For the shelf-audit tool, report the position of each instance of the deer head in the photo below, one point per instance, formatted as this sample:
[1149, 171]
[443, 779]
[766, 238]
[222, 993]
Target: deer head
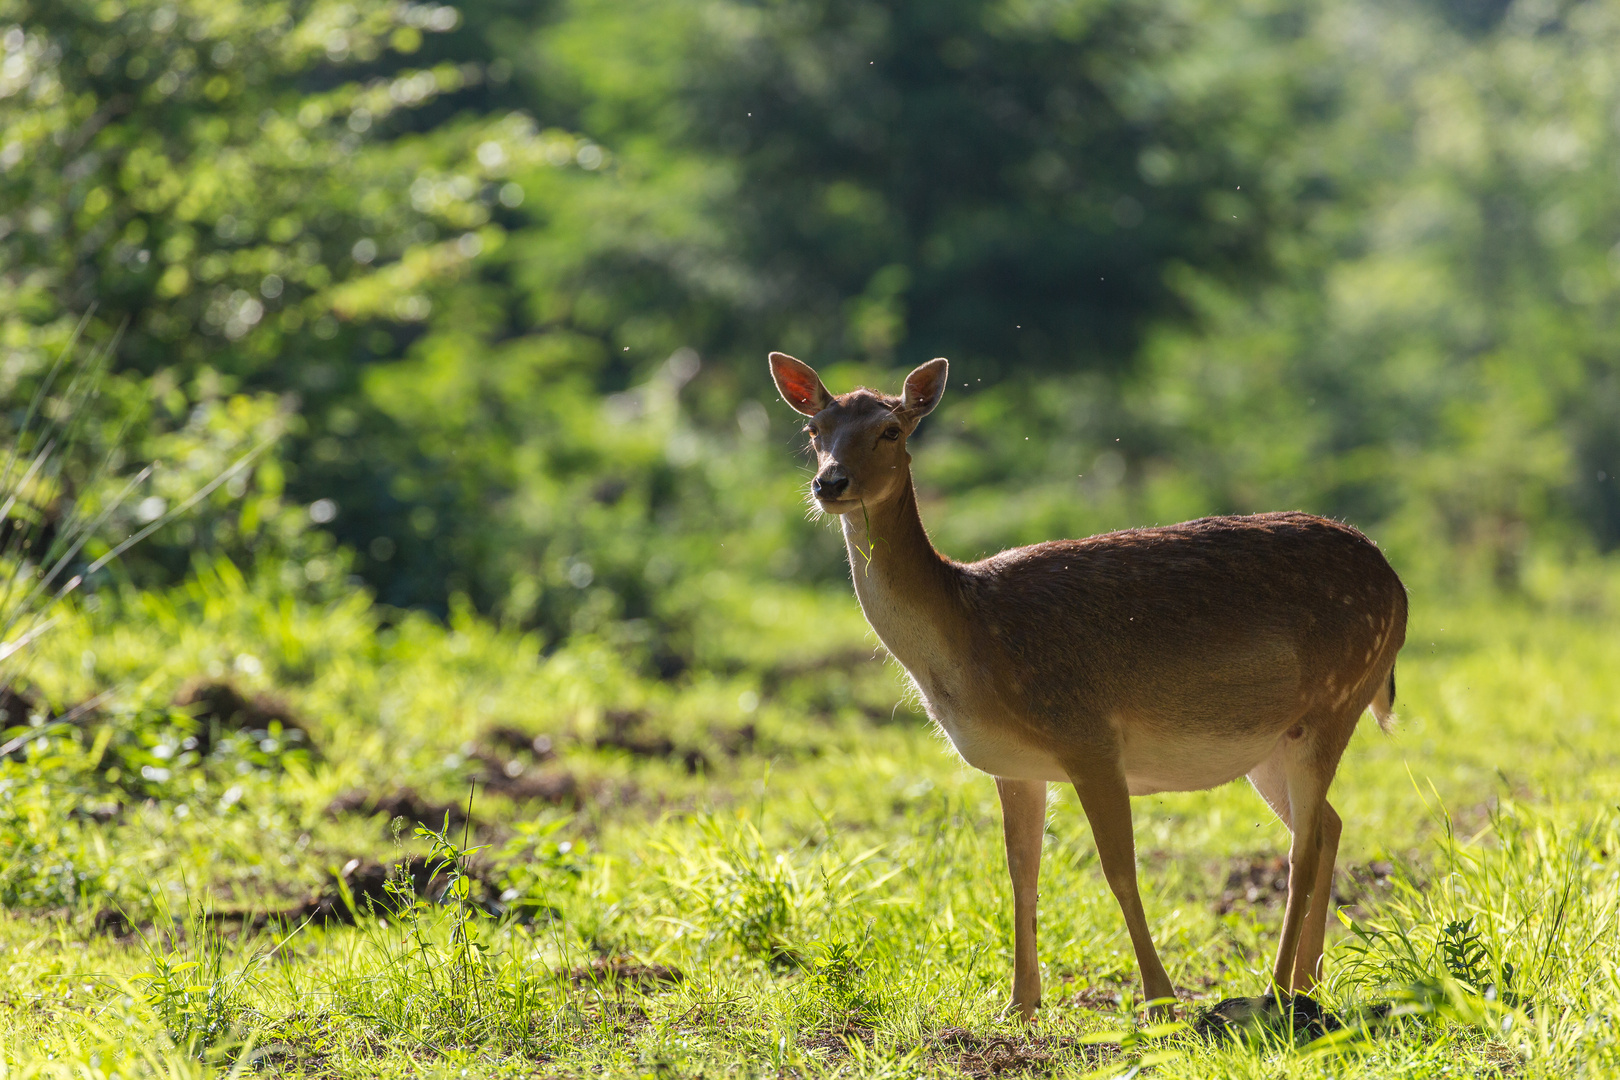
[859, 438]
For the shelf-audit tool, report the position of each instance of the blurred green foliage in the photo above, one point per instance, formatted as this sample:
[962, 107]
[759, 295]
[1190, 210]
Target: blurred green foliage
[499, 279]
[374, 318]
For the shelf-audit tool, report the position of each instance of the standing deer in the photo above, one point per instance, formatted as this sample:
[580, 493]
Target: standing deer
[1164, 659]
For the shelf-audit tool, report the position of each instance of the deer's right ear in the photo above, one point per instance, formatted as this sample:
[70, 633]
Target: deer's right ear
[799, 384]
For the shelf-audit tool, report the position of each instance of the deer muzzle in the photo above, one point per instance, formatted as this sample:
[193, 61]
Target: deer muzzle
[829, 486]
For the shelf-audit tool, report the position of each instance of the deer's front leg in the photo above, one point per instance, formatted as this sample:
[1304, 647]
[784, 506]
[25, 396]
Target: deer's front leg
[1023, 823]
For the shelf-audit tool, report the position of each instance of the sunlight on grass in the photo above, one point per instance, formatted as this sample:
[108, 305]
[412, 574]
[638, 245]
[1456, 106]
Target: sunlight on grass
[767, 882]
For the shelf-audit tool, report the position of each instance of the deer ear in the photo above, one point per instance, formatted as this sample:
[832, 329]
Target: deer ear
[799, 384]
[924, 387]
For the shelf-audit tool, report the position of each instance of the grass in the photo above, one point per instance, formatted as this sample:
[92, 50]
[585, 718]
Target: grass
[772, 871]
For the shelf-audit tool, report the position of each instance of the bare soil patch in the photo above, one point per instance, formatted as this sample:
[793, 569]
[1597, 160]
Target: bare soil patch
[626, 972]
[1257, 881]
[375, 889]
[1261, 881]
[402, 802]
[972, 1054]
[511, 740]
[19, 705]
[30, 715]
[383, 889]
[835, 1044]
[1097, 998]
[219, 707]
[627, 730]
[511, 780]
[1000, 1055]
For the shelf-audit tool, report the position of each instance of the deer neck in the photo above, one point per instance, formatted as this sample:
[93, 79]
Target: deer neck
[909, 592]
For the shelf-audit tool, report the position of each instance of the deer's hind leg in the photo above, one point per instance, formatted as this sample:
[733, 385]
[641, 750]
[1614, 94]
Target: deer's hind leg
[1294, 780]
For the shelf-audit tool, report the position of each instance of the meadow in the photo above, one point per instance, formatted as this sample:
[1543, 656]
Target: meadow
[480, 699]
[784, 872]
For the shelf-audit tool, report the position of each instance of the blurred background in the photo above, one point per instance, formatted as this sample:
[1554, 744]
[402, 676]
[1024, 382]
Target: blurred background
[493, 284]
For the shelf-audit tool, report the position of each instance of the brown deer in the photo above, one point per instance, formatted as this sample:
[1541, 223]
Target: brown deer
[1164, 659]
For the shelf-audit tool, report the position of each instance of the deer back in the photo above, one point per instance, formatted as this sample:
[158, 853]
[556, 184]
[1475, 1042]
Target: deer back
[1214, 623]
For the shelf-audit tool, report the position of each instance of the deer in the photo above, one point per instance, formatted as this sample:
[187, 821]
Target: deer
[1171, 658]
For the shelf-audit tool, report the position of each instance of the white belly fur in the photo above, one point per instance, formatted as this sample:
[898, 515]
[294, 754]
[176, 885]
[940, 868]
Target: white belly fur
[985, 747]
[998, 756]
[1152, 762]
[1190, 761]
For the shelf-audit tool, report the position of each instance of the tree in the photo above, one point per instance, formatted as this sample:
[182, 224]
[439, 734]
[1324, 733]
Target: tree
[1003, 184]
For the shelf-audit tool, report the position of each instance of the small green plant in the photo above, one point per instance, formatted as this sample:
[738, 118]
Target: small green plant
[467, 948]
[751, 894]
[838, 973]
[1460, 975]
[195, 995]
[758, 910]
[1463, 953]
[539, 866]
[1470, 962]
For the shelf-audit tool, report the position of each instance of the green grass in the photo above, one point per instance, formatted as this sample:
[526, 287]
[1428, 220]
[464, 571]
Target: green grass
[828, 884]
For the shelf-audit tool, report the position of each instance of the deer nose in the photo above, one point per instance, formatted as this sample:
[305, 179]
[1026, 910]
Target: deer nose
[829, 487]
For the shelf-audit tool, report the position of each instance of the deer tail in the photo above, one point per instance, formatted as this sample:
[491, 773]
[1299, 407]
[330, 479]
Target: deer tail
[1383, 703]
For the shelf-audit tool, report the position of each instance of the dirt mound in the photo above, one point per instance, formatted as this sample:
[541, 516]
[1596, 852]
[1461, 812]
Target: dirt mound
[1259, 881]
[113, 923]
[385, 888]
[517, 741]
[1098, 998]
[626, 732]
[625, 971]
[1362, 881]
[402, 802]
[367, 885]
[989, 1055]
[835, 1044]
[736, 741]
[374, 888]
[18, 706]
[556, 788]
[219, 707]
[1262, 881]
[511, 776]
[962, 1051]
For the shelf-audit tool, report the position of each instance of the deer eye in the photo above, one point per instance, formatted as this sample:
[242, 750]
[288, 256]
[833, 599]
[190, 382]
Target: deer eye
[810, 431]
[891, 433]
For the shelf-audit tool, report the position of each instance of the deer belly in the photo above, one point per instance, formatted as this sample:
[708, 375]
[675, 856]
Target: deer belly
[992, 749]
[1155, 762]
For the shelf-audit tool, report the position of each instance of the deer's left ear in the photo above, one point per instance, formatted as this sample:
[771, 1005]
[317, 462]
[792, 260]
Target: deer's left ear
[924, 387]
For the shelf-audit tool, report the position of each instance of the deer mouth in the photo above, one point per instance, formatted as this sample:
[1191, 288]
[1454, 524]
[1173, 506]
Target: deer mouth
[842, 505]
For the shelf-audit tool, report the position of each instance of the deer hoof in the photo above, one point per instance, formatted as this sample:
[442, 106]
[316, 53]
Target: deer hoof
[1024, 1010]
